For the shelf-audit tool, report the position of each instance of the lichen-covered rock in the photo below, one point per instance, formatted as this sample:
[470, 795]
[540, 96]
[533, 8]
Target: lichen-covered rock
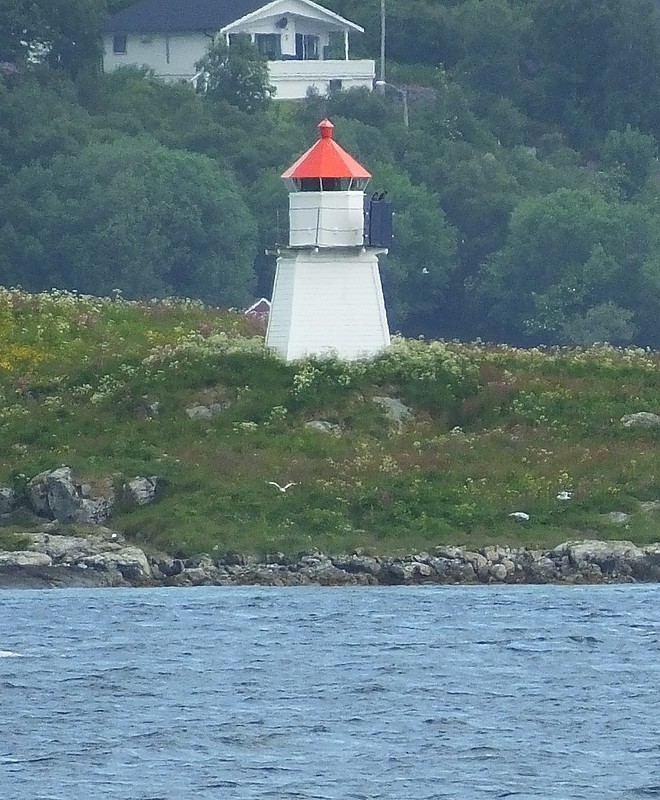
[24, 558]
[594, 560]
[323, 426]
[617, 517]
[357, 564]
[130, 562]
[498, 572]
[8, 500]
[640, 419]
[141, 491]
[54, 494]
[395, 411]
[206, 412]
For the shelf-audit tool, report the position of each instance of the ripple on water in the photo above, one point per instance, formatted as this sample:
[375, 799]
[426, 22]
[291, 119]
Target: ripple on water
[464, 693]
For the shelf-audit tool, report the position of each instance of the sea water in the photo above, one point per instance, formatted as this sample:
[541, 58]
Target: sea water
[404, 693]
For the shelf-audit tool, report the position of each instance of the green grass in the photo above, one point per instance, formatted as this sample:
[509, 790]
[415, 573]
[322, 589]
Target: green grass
[495, 430]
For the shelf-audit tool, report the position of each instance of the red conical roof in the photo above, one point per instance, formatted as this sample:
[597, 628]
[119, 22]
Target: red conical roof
[326, 159]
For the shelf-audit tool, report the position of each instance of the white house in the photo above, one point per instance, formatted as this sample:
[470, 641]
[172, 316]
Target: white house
[306, 45]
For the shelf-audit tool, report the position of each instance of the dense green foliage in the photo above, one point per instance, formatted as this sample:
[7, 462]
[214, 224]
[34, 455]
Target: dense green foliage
[239, 72]
[525, 186]
[104, 385]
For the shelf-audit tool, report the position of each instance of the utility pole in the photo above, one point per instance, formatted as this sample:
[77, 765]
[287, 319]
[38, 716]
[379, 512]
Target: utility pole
[381, 82]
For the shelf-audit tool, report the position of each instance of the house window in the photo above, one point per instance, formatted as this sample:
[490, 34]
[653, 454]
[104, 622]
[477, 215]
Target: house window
[119, 44]
[269, 45]
[334, 85]
[307, 47]
[236, 38]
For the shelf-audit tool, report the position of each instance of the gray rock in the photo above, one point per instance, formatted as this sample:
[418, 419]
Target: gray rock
[55, 495]
[141, 491]
[8, 500]
[443, 551]
[357, 564]
[130, 562]
[541, 570]
[322, 426]
[618, 558]
[206, 412]
[24, 558]
[499, 572]
[650, 506]
[477, 560]
[395, 411]
[617, 517]
[640, 419]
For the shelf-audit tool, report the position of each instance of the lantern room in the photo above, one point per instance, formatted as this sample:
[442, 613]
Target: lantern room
[326, 195]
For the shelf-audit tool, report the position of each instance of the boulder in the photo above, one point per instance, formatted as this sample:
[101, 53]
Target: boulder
[357, 564]
[130, 562]
[648, 506]
[498, 572]
[640, 419]
[8, 500]
[395, 411]
[541, 570]
[55, 495]
[206, 412]
[323, 426]
[615, 558]
[617, 517]
[141, 491]
[24, 558]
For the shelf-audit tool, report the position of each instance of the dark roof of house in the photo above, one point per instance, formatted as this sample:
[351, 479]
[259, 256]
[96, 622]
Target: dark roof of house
[154, 16]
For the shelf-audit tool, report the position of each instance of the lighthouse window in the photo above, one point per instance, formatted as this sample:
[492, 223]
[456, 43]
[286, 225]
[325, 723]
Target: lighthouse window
[330, 184]
[310, 184]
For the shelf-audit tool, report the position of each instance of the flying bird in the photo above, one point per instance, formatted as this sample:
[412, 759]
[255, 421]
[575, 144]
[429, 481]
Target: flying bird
[519, 516]
[564, 496]
[282, 488]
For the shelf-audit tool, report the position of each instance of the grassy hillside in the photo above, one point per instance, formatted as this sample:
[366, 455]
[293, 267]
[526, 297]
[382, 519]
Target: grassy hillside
[104, 385]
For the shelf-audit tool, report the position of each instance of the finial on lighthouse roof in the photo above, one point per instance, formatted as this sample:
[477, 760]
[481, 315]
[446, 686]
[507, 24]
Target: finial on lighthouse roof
[325, 128]
[326, 159]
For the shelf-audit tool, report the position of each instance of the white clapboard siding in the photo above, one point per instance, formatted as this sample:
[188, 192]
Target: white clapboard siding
[327, 304]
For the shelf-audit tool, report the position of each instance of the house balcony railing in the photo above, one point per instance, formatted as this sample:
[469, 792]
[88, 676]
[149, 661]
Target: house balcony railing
[293, 78]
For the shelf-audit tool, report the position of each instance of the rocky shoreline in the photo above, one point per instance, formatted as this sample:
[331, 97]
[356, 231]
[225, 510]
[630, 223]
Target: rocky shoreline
[65, 544]
[58, 555]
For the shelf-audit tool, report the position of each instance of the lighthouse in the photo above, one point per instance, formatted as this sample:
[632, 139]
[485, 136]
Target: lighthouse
[327, 296]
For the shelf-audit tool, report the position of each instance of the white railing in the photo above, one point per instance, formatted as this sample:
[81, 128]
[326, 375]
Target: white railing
[292, 79]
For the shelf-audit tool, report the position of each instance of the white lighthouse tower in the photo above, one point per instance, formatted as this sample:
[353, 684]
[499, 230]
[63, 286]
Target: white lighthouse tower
[327, 297]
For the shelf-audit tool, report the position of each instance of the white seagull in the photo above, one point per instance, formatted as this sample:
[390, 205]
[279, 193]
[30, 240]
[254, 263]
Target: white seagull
[282, 488]
[564, 496]
[520, 516]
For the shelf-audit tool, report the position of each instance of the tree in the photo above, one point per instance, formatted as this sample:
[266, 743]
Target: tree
[568, 256]
[39, 119]
[629, 155]
[418, 270]
[598, 64]
[492, 36]
[129, 215]
[62, 33]
[237, 73]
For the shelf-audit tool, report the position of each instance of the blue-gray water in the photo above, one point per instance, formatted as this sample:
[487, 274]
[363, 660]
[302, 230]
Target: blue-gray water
[340, 694]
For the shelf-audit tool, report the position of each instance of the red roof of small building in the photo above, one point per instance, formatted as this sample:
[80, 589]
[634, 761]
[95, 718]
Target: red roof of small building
[326, 159]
